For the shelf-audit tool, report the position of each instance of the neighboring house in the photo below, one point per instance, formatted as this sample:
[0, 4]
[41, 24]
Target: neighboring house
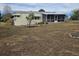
[19, 17]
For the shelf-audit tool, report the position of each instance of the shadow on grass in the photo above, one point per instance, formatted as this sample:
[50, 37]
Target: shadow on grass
[33, 26]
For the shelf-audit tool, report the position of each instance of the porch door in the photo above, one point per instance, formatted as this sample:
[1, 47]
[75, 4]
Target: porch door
[56, 18]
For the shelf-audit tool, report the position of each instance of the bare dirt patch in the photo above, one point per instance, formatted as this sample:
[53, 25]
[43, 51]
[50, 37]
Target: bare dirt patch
[50, 39]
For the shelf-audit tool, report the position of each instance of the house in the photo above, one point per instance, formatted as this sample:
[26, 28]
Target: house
[19, 17]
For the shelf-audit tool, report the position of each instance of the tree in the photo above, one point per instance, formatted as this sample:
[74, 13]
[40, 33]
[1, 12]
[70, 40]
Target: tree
[75, 15]
[7, 14]
[0, 16]
[41, 10]
[7, 9]
[30, 18]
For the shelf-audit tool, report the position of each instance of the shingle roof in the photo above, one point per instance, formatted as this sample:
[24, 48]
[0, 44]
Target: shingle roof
[54, 13]
[24, 12]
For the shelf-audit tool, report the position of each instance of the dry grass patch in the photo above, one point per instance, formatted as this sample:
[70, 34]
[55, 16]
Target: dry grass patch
[48, 39]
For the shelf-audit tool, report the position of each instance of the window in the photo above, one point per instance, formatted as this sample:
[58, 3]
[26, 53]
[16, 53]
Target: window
[16, 15]
[36, 17]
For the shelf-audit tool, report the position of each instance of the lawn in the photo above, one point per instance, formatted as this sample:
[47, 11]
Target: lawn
[47, 39]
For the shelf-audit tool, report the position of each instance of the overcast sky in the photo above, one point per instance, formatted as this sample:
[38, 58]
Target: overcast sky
[65, 7]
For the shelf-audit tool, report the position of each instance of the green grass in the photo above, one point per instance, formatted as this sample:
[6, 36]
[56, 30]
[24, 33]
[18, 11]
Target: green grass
[47, 39]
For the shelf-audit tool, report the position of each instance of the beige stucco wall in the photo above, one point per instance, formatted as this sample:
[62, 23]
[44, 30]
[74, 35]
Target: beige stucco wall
[23, 21]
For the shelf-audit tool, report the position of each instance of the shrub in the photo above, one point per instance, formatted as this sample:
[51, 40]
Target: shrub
[41, 23]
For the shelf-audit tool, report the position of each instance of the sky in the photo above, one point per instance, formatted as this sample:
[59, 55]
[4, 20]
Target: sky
[54, 7]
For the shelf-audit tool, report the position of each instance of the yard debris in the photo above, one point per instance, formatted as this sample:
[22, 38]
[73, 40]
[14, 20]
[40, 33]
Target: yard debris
[74, 35]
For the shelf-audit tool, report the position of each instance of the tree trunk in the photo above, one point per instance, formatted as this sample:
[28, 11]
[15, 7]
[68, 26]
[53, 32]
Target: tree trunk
[29, 23]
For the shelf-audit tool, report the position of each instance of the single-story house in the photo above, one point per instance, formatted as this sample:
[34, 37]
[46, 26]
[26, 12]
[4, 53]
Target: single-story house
[19, 17]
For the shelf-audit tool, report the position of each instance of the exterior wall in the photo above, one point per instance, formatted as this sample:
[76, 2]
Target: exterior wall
[35, 21]
[20, 20]
[23, 21]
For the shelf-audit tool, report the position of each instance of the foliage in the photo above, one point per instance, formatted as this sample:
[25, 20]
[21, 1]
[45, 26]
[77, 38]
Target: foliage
[7, 14]
[7, 9]
[6, 17]
[41, 23]
[30, 17]
[75, 15]
[0, 18]
[41, 10]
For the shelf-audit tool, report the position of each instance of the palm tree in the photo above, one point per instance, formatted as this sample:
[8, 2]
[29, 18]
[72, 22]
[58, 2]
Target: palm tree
[30, 17]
